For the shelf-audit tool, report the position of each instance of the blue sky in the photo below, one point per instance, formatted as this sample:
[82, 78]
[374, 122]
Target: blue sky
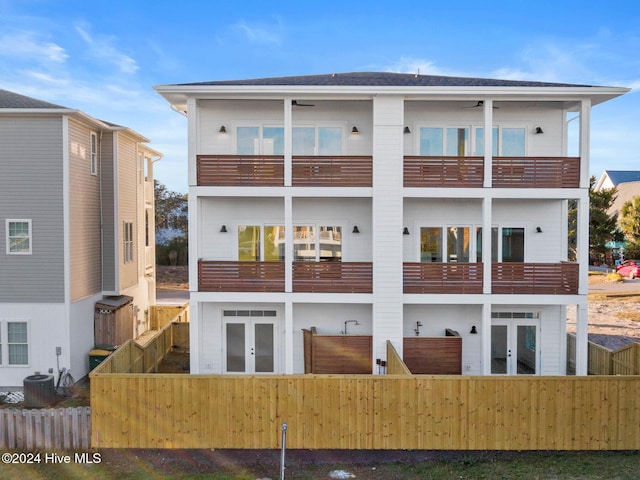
[104, 57]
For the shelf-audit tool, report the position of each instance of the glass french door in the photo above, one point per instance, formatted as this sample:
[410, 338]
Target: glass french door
[514, 348]
[250, 345]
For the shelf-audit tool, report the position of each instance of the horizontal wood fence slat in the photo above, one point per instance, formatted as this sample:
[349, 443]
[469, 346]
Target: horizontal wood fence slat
[536, 172]
[442, 277]
[332, 171]
[534, 278]
[333, 277]
[231, 276]
[45, 429]
[366, 412]
[433, 355]
[337, 353]
[240, 170]
[429, 171]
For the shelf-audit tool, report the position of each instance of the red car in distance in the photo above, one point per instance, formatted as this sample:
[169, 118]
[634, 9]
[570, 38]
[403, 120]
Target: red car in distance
[629, 268]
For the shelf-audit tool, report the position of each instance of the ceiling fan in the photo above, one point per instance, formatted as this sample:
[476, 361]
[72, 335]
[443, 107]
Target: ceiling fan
[296, 103]
[480, 104]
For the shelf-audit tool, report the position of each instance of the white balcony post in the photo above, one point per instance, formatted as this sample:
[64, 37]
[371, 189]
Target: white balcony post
[288, 141]
[488, 142]
[585, 139]
[487, 205]
[582, 339]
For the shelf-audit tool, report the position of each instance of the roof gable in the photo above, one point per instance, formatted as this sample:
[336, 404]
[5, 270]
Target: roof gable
[623, 176]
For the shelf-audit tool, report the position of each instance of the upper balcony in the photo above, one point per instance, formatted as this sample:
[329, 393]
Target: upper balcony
[507, 172]
[268, 170]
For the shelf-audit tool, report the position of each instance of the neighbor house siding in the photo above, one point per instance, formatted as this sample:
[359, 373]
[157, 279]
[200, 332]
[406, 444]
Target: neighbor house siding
[84, 214]
[109, 229]
[127, 154]
[31, 184]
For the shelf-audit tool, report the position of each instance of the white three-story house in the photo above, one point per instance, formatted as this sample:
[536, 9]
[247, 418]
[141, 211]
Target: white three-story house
[333, 215]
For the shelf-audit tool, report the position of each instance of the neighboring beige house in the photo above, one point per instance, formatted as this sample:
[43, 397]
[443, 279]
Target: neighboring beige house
[376, 207]
[77, 224]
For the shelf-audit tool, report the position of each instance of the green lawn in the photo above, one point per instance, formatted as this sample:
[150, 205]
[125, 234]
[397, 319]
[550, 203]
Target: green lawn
[191, 464]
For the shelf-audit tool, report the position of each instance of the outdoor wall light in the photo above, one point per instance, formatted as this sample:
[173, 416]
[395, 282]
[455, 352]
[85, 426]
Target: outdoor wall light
[405, 231]
[474, 330]
[356, 229]
[538, 229]
[223, 229]
[407, 130]
[223, 130]
[539, 130]
[355, 131]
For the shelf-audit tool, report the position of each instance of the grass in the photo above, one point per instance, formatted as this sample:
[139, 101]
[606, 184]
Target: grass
[185, 465]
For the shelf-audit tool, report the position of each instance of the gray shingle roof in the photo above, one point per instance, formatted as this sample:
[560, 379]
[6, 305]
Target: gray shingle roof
[15, 100]
[383, 79]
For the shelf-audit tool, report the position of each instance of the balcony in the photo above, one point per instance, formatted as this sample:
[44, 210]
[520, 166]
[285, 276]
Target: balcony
[268, 171]
[508, 172]
[536, 172]
[460, 172]
[442, 277]
[333, 277]
[534, 278]
[240, 170]
[507, 278]
[336, 171]
[230, 276]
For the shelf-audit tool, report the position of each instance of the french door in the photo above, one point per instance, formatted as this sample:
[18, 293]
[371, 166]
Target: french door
[514, 347]
[250, 343]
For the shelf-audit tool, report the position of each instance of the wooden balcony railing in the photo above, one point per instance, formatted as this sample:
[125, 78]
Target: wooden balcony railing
[333, 277]
[229, 276]
[240, 170]
[536, 172]
[463, 172]
[534, 278]
[442, 277]
[336, 171]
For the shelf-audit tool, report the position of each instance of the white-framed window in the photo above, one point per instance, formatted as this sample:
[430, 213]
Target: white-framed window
[317, 243]
[261, 243]
[307, 140]
[507, 244]
[93, 159]
[457, 141]
[14, 343]
[127, 237]
[19, 236]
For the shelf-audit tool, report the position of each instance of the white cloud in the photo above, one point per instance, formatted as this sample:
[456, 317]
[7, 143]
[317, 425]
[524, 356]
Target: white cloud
[101, 47]
[27, 45]
[262, 34]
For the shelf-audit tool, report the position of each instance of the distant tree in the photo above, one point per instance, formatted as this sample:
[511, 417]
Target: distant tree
[602, 226]
[630, 226]
[171, 208]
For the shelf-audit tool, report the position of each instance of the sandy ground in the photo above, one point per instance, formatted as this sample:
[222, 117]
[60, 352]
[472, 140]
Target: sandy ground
[614, 312]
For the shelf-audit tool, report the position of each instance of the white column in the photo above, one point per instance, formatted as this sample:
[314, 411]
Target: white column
[582, 243]
[487, 205]
[485, 337]
[585, 139]
[582, 339]
[288, 337]
[387, 209]
[288, 243]
[288, 141]
[488, 142]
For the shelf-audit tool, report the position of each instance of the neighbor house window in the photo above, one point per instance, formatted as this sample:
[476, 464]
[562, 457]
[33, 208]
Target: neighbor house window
[313, 243]
[17, 344]
[260, 243]
[18, 237]
[94, 154]
[128, 242]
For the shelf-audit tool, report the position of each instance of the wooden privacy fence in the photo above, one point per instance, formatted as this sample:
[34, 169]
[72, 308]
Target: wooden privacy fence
[51, 428]
[161, 315]
[366, 412]
[134, 358]
[602, 361]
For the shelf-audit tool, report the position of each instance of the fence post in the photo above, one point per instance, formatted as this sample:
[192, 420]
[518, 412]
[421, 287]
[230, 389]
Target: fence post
[284, 447]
